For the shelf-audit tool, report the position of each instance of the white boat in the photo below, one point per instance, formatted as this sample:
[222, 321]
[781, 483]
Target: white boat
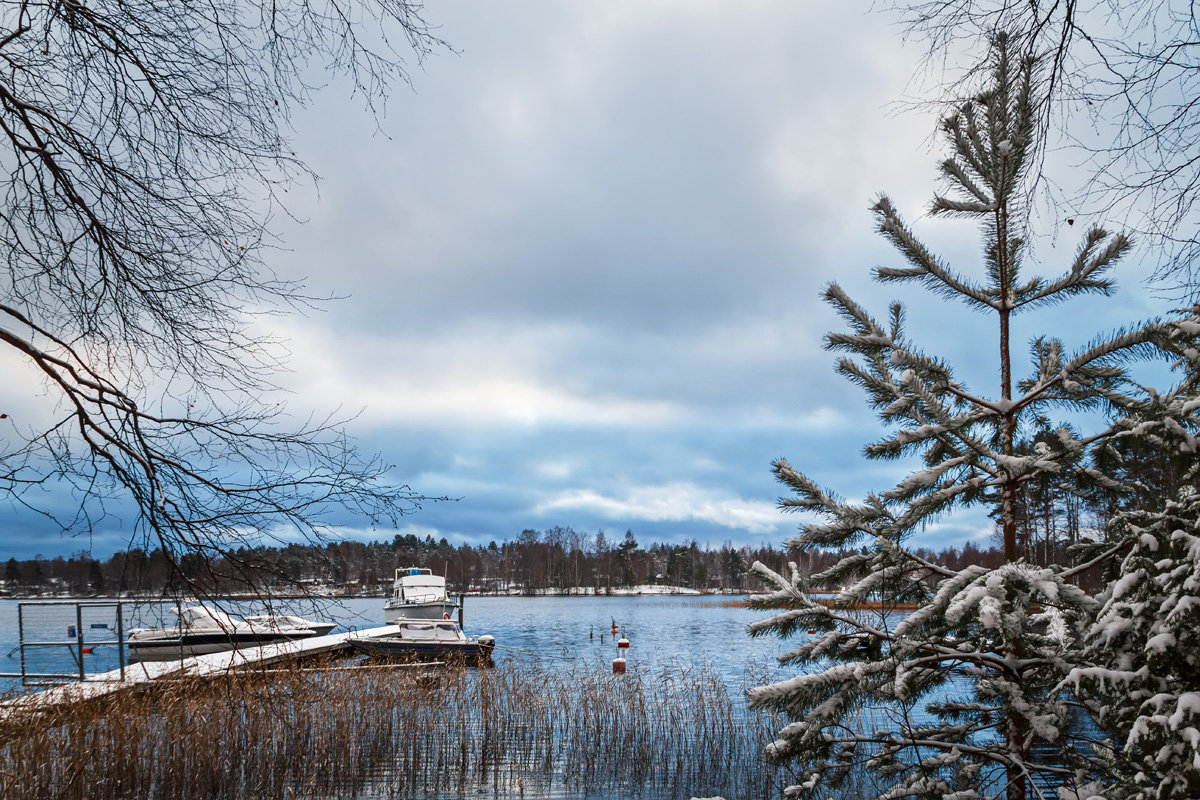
[203, 629]
[418, 594]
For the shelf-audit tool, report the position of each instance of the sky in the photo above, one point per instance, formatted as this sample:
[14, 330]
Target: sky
[580, 261]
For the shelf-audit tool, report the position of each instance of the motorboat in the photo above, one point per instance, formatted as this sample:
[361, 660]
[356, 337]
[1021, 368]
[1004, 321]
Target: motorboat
[428, 640]
[203, 629]
[419, 594]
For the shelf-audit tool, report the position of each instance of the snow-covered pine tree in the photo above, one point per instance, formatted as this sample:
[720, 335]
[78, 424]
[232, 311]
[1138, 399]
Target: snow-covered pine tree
[963, 696]
[1142, 656]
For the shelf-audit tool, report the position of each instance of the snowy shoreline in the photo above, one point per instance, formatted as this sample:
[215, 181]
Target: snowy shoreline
[328, 593]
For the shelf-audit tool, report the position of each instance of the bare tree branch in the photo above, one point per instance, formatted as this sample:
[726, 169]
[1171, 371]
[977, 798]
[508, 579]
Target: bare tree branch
[1123, 86]
[143, 151]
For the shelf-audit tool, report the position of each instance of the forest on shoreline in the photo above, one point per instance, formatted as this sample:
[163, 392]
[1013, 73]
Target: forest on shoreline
[557, 559]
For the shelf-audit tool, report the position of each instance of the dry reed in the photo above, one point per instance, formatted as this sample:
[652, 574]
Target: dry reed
[520, 730]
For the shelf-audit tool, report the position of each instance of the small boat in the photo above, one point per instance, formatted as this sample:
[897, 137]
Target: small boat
[418, 639]
[419, 594]
[203, 629]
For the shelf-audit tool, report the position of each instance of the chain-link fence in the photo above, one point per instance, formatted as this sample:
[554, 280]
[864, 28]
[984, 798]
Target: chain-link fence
[57, 639]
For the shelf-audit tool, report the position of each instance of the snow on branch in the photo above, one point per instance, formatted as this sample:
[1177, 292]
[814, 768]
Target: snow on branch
[970, 685]
[932, 273]
[1083, 275]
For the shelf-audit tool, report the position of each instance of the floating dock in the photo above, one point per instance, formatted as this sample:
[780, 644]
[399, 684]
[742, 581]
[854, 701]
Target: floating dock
[212, 664]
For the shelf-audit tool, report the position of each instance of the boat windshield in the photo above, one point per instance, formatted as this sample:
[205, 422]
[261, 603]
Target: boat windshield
[428, 630]
[205, 617]
[279, 621]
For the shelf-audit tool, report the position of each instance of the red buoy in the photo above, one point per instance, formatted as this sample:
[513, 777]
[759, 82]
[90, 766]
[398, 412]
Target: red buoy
[87, 649]
[622, 642]
[614, 629]
[618, 666]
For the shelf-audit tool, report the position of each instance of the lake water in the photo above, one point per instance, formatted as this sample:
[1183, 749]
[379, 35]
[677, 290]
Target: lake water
[669, 635]
[664, 631]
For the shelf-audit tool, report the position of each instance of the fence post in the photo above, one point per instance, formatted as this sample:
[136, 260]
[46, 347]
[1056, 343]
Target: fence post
[21, 638]
[121, 638]
[79, 637]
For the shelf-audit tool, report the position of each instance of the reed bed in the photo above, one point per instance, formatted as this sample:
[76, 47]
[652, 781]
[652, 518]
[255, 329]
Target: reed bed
[521, 730]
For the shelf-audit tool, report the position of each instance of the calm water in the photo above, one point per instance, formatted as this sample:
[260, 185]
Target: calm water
[666, 633]
[663, 631]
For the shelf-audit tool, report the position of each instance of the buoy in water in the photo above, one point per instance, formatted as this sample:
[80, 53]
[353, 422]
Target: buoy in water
[618, 666]
[614, 629]
[623, 642]
[811, 631]
[87, 649]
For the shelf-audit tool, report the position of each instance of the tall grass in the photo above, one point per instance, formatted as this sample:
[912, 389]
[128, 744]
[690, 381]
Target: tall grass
[520, 731]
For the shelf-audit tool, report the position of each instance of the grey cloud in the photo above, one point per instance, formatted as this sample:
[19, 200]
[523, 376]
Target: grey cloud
[621, 176]
[586, 255]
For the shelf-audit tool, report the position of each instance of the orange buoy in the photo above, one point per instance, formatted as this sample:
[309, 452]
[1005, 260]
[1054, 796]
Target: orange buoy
[87, 649]
[614, 629]
[618, 666]
[622, 642]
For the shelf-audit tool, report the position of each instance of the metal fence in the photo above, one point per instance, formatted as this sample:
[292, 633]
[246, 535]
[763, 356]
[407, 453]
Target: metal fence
[54, 637]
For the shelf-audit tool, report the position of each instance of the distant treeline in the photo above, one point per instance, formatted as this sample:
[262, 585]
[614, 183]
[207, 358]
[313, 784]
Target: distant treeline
[560, 558]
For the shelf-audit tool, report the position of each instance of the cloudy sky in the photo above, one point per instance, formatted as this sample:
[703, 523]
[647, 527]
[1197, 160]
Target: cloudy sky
[581, 264]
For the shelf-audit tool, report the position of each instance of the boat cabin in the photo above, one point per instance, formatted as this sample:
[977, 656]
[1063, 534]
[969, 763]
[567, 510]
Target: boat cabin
[418, 585]
[419, 594]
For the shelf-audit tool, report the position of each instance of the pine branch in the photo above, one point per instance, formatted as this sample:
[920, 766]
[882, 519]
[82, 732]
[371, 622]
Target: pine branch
[926, 267]
[1082, 278]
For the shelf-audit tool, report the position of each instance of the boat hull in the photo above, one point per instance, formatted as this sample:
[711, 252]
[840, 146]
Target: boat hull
[472, 653]
[168, 648]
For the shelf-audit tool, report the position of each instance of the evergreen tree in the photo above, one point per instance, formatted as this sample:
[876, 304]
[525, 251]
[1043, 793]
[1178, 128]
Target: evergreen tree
[1152, 470]
[1144, 649]
[95, 580]
[625, 551]
[37, 577]
[962, 697]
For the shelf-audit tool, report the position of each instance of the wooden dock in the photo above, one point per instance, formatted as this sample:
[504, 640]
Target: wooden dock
[211, 664]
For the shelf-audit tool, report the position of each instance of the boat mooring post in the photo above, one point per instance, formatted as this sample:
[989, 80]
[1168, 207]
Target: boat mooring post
[618, 664]
[462, 599]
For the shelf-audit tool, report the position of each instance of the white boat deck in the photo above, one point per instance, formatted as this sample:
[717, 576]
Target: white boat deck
[144, 672]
